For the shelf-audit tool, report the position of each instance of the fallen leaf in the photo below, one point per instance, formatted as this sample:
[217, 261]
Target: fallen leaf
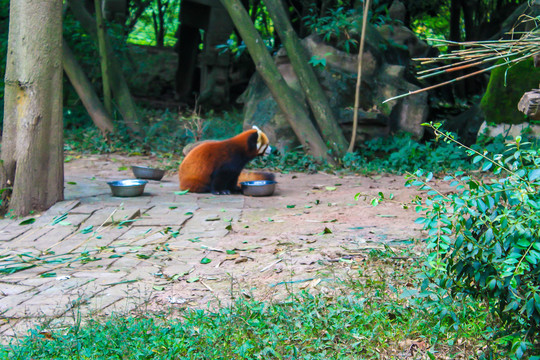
[206, 260]
[27, 221]
[193, 279]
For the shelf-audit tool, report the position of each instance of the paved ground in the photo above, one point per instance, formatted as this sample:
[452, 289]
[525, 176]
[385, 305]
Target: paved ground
[94, 254]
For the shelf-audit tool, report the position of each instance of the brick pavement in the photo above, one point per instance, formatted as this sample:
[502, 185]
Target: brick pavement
[94, 254]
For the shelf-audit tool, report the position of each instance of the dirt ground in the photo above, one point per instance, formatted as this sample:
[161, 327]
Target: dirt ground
[309, 235]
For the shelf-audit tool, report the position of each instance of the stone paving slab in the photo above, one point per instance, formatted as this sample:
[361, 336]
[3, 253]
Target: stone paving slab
[108, 255]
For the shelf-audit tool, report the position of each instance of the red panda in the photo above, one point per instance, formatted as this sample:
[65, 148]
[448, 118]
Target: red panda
[215, 166]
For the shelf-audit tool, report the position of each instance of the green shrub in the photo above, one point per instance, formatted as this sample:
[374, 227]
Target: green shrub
[484, 239]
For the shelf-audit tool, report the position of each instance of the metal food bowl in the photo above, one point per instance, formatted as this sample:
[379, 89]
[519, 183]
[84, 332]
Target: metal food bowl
[127, 188]
[258, 187]
[145, 172]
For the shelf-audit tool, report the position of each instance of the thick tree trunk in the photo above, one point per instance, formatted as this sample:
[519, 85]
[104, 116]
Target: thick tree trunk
[32, 145]
[86, 92]
[283, 95]
[318, 102]
[119, 86]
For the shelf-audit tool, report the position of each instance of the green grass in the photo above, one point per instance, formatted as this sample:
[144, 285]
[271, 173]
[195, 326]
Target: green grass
[371, 317]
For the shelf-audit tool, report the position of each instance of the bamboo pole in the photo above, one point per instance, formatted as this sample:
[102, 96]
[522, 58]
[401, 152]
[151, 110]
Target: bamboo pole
[359, 76]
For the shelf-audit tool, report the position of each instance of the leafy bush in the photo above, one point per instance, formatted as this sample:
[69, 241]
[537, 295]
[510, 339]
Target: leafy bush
[400, 153]
[484, 239]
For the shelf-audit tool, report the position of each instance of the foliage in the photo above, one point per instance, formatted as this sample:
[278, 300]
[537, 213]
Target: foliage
[339, 26]
[144, 30]
[485, 239]
[400, 153]
[370, 320]
[164, 132]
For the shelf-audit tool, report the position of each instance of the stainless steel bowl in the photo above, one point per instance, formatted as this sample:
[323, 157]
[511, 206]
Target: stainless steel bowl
[145, 172]
[258, 187]
[128, 187]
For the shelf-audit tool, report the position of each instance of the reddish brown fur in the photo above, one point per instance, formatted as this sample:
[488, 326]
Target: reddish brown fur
[214, 166]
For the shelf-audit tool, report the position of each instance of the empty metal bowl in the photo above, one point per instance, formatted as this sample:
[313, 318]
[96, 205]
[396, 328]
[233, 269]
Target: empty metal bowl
[258, 187]
[145, 172]
[127, 188]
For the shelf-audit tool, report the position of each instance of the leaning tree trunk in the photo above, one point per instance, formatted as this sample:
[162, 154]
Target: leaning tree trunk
[318, 102]
[293, 110]
[118, 83]
[86, 92]
[32, 145]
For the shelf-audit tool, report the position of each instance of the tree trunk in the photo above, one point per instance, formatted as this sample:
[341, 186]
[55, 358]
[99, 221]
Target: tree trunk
[103, 57]
[86, 92]
[119, 86]
[318, 102]
[32, 146]
[283, 95]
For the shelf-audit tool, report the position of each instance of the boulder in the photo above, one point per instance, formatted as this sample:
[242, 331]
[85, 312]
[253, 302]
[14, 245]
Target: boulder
[384, 73]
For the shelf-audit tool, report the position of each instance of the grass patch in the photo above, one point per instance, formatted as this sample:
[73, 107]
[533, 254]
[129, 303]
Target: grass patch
[371, 317]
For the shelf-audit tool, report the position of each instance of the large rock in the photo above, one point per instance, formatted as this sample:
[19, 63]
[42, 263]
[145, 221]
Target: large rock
[384, 74]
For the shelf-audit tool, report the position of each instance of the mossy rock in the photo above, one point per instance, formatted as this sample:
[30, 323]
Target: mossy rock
[500, 102]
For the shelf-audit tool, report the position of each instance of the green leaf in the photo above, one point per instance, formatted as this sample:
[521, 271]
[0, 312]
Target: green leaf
[71, 183]
[87, 229]
[230, 252]
[205, 260]
[487, 165]
[48, 275]
[183, 192]
[534, 174]
[193, 279]
[122, 168]
[291, 206]
[28, 221]
[326, 231]
[158, 287]
[330, 188]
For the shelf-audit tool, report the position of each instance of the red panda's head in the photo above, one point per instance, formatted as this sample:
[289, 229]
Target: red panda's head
[263, 147]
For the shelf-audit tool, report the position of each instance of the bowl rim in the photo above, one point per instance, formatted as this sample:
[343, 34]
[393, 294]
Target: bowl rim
[256, 182]
[133, 182]
[142, 167]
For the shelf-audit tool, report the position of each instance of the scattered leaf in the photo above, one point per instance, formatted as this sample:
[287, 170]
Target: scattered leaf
[291, 206]
[326, 231]
[173, 207]
[28, 221]
[143, 256]
[48, 275]
[331, 188]
[231, 252]
[206, 260]
[122, 168]
[71, 183]
[183, 192]
[158, 287]
[188, 213]
[193, 279]
[87, 229]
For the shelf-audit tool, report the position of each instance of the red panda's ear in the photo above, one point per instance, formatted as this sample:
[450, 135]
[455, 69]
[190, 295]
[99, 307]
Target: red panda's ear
[252, 142]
